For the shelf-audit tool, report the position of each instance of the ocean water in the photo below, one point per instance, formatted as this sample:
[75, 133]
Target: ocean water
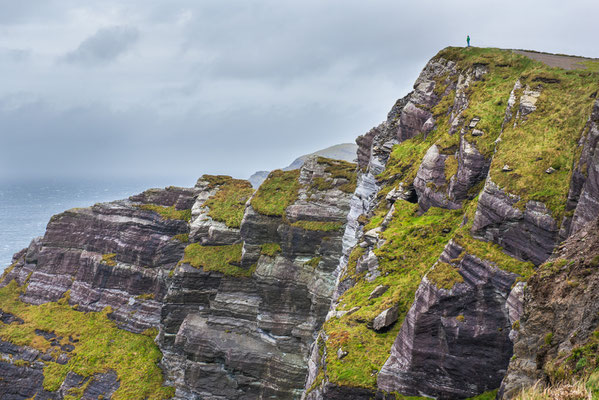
[26, 206]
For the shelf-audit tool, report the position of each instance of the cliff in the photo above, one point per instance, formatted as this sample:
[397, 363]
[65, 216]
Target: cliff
[421, 271]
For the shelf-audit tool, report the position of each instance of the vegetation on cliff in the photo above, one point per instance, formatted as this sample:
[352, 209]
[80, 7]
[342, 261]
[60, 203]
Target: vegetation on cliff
[413, 243]
[99, 346]
[277, 192]
[228, 203]
[340, 171]
[224, 259]
[167, 212]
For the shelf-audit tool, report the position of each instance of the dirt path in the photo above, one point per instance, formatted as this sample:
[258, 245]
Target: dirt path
[554, 60]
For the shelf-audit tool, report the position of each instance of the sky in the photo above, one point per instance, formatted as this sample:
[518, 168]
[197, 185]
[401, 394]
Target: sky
[175, 89]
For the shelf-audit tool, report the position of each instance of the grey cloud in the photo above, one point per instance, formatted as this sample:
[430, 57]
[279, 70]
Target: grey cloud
[104, 46]
[236, 86]
[15, 55]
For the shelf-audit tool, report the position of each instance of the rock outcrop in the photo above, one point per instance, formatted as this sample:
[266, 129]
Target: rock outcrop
[558, 327]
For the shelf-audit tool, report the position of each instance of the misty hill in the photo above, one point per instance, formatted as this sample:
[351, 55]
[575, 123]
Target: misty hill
[343, 151]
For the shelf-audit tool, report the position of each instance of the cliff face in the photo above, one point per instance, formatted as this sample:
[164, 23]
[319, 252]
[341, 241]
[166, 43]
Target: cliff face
[406, 274]
[236, 292]
[470, 195]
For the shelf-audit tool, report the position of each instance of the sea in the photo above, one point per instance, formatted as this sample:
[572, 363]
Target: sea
[27, 205]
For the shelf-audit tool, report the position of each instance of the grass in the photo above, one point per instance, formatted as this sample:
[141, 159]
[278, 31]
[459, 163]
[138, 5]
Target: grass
[313, 262]
[223, 259]
[549, 135]
[276, 193]
[578, 390]
[100, 345]
[490, 395]
[342, 172]
[167, 212]
[405, 159]
[591, 65]
[182, 237]
[270, 249]
[108, 259]
[413, 244]
[324, 226]
[451, 167]
[215, 180]
[548, 138]
[444, 276]
[228, 203]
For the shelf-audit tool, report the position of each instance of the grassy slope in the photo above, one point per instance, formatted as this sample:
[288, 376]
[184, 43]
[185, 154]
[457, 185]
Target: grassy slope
[101, 345]
[228, 203]
[224, 259]
[277, 192]
[415, 242]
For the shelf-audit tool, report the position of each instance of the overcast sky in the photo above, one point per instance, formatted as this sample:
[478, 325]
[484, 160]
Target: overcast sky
[179, 88]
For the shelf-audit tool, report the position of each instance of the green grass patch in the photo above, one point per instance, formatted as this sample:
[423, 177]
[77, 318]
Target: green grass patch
[591, 65]
[276, 193]
[405, 159]
[182, 237]
[223, 259]
[228, 203]
[313, 262]
[167, 212]
[101, 346]
[215, 180]
[109, 259]
[548, 138]
[451, 167]
[270, 249]
[445, 276]
[490, 395]
[339, 170]
[324, 226]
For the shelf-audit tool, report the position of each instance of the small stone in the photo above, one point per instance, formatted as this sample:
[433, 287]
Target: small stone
[506, 168]
[385, 319]
[446, 230]
[477, 132]
[372, 235]
[378, 291]
[363, 245]
[341, 353]
[473, 122]
[353, 310]
[550, 170]
[63, 359]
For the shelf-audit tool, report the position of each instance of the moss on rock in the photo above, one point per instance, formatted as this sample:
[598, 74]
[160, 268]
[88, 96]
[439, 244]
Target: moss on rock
[228, 203]
[167, 212]
[98, 344]
[276, 193]
[224, 259]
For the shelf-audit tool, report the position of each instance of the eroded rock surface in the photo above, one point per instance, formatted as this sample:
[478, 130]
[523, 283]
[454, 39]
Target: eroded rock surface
[561, 314]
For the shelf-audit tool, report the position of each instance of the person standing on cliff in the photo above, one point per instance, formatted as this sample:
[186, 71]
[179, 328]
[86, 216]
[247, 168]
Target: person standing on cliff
[468, 40]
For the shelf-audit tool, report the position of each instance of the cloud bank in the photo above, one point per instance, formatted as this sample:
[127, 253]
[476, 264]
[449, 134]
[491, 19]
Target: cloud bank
[182, 88]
